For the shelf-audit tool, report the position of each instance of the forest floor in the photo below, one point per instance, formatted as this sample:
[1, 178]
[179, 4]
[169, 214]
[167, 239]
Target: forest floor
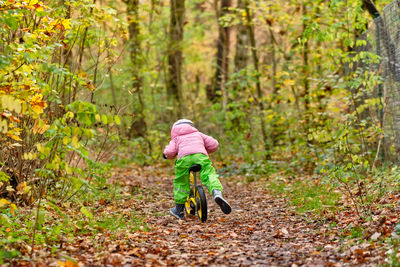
[262, 230]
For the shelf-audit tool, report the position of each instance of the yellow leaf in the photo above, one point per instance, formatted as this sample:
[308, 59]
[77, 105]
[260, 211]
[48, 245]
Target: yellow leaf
[3, 126]
[11, 103]
[66, 140]
[25, 69]
[40, 148]
[14, 137]
[76, 131]
[40, 127]
[75, 141]
[13, 208]
[38, 105]
[288, 82]
[66, 23]
[27, 189]
[4, 202]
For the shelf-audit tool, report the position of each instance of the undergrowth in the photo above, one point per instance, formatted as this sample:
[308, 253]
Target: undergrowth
[98, 213]
[304, 195]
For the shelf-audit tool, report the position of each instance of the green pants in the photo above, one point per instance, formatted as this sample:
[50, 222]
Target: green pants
[208, 176]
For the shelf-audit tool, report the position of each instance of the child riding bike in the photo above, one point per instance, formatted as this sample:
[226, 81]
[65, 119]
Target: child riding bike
[193, 147]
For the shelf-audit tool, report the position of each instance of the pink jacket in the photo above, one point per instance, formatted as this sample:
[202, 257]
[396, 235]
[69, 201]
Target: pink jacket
[187, 140]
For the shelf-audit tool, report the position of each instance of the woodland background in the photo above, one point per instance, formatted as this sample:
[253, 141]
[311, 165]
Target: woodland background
[90, 85]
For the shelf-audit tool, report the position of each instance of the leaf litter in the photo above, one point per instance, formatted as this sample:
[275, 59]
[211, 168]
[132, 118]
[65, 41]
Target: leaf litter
[262, 230]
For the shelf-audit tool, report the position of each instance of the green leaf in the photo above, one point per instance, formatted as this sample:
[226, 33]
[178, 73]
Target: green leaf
[86, 212]
[104, 119]
[117, 120]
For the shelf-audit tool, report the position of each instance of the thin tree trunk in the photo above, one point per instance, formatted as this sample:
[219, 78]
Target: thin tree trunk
[242, 42]
[306, 83]
[241, 49]
[80, 57]
[174, 79]
[258, 82]
[112, 87]
[240, 65]
[138, 127]
[275, 132]
[222, 56]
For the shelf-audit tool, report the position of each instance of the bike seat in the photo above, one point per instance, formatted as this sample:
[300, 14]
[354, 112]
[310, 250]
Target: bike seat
[195, 168]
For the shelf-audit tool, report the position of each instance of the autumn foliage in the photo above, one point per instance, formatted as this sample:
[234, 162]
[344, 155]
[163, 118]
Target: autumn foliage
[88, 87]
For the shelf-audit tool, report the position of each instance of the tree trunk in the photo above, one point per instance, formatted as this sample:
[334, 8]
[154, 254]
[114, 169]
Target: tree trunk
[369, 5]
[276, 132]
[240, 62]
[80, 56]
[242, 42]
[138, 127]
[222, 68]
[258, 81]
[306, 83]
[174, 79]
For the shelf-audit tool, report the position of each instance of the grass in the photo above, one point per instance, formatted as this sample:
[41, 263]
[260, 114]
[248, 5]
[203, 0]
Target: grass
[304, 195]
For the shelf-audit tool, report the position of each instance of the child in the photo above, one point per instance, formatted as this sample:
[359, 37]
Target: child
[192, 147]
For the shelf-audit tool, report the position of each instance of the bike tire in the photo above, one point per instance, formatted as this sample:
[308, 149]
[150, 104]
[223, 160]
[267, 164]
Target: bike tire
[201, 203]
[190, 206]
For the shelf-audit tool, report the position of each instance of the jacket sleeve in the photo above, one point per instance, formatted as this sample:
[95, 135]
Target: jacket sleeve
[171, 149]
[210, 143]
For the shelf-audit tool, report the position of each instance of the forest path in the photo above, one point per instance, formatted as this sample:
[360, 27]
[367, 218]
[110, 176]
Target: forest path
[260, 231]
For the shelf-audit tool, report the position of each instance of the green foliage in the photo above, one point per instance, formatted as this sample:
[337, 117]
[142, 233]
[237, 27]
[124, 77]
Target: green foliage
[76, 83]
[315, 197]
[63, 222]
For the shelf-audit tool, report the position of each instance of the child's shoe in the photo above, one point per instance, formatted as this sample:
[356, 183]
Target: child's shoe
[223, 204]
[177, 211]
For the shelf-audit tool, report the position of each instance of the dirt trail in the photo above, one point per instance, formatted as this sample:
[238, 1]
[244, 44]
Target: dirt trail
[261, 231]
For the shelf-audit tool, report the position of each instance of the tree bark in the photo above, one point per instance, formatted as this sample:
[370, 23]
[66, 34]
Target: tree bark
[175, 58]
[138, 126]
[306, 83]
[276, 132]
[258, 81]
[222, 68]
[369, 5]
[242, 42]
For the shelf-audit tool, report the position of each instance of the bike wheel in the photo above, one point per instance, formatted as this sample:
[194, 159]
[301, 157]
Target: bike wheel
[201, 203]
[190, 205]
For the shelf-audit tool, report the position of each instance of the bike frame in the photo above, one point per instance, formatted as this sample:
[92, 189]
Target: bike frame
[193, 180]
[196, 201]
